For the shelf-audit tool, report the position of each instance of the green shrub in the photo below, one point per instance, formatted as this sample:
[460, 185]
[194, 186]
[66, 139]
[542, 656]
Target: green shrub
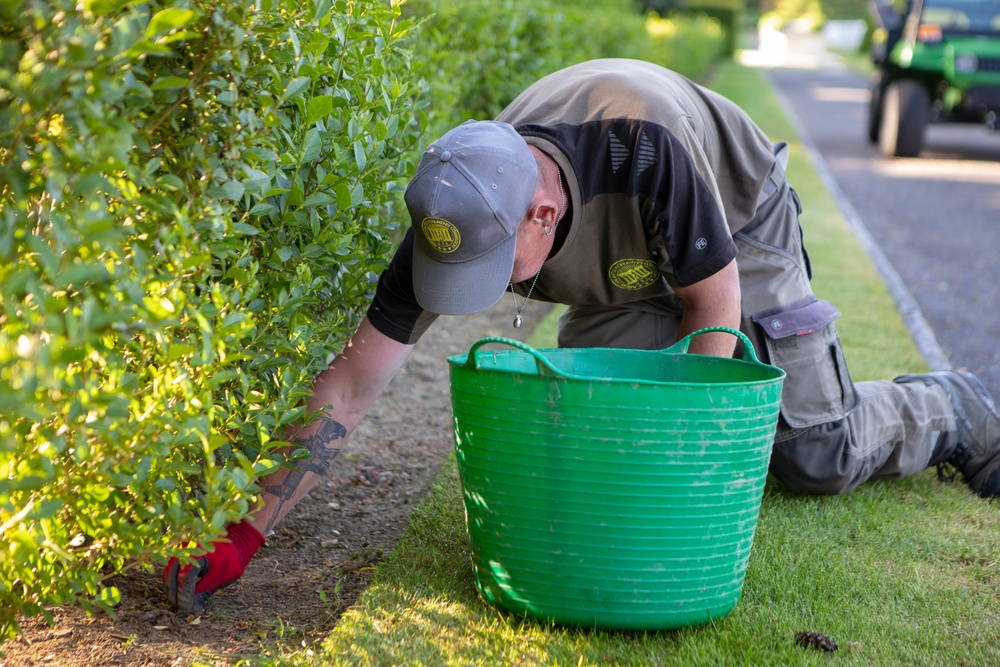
[194, 197]
[691, 42]
[477, 55]
[595, 34]
[729, 14]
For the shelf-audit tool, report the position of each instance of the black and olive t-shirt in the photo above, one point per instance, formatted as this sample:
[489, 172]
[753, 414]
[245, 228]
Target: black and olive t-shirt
[661, 174]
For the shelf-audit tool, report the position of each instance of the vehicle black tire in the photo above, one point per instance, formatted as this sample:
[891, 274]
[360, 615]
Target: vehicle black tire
[906, 108]
[875, 107]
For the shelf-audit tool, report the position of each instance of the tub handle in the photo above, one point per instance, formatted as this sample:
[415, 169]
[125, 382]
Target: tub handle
[545, 367]
[681, 346]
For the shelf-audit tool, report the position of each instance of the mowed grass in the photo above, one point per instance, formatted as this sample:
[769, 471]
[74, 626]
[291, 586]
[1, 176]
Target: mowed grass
[897, 573]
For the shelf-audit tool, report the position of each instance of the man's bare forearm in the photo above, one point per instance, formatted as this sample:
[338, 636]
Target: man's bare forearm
[284, 491]
[346, 389]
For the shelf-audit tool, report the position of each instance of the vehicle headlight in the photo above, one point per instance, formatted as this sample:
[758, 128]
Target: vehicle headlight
[966, 62]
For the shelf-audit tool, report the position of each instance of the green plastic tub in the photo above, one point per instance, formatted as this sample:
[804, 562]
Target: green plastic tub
[612, 488]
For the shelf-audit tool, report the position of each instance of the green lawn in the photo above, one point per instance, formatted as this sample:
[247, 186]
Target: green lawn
[901, 573]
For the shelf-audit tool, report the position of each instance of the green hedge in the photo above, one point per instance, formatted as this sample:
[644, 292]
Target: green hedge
[729, 14]
[194, 202]
[477, 55]
[196, 198]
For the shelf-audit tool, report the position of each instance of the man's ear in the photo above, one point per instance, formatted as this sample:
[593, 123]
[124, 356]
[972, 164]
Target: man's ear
[543, 211]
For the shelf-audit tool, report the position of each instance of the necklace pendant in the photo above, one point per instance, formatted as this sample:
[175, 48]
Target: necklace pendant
[517, 321]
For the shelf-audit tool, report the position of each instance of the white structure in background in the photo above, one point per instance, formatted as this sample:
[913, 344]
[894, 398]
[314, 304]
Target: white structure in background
[844, 35]
[796, 44]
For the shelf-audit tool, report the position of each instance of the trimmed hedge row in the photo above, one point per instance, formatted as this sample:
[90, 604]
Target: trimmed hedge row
[196, 197]
[194, 202]
[477, 55]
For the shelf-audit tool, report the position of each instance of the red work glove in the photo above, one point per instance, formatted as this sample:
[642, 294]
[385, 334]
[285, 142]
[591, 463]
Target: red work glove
[188, 588]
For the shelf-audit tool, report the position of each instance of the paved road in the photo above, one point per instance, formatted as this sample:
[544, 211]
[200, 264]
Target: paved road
[935, 219]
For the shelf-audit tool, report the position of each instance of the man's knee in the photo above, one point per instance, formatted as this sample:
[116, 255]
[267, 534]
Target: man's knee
[818, 461]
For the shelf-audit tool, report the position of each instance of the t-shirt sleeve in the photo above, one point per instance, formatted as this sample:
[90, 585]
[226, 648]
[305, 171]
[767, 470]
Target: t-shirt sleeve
[692, 223]
[394, 311]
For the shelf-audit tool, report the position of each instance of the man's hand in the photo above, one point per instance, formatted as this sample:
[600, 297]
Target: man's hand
[188, 588]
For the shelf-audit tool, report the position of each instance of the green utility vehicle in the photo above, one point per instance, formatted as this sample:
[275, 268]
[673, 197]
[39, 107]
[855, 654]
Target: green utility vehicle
[937, 61]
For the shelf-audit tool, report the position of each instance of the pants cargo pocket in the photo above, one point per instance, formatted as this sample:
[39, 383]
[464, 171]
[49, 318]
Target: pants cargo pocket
[802, 339]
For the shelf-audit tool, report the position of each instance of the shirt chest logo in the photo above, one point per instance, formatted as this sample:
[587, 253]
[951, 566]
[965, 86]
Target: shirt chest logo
[633, 274]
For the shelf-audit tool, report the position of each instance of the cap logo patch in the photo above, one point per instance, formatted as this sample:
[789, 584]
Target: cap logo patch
[441, 234]
[633, 274]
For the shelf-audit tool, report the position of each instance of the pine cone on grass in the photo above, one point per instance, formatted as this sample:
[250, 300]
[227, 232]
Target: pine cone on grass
[815, 640]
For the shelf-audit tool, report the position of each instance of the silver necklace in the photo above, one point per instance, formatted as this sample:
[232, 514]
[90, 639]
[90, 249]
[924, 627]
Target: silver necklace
[562, 210]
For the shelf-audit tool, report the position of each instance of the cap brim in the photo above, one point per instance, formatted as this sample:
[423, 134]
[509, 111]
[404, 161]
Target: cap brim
[462, 288]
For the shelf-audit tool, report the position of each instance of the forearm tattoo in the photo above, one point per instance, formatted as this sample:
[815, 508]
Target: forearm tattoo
[323, 451]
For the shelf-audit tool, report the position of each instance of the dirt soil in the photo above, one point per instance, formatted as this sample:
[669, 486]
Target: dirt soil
[325, 549]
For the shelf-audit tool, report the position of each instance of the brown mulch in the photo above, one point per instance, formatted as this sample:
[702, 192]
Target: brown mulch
[322, 555]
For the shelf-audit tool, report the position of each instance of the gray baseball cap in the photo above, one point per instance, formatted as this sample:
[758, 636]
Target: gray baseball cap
[471, 190]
